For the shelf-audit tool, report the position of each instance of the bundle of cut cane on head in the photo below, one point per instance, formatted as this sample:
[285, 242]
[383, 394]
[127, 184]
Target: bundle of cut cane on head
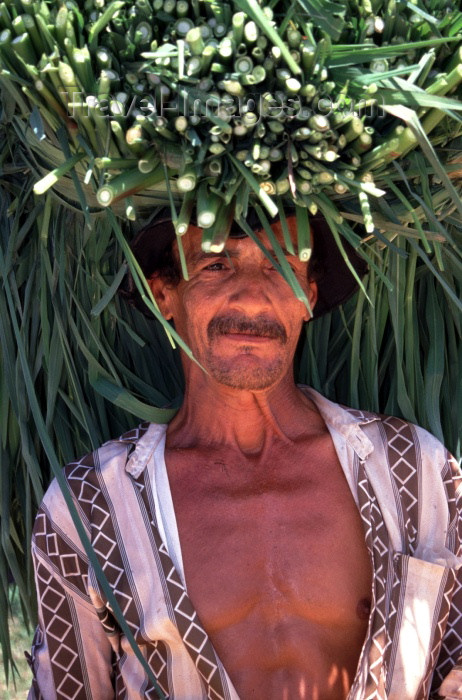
[219, 106]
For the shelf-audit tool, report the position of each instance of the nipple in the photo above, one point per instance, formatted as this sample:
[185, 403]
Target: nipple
[363, 609]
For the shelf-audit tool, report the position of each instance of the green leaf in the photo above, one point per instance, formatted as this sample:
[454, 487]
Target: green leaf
[434, 366]
[414, 124]
[327, 15]
[109, 293]
[253, 183]
[349, 55]
[123, 398]
[36, 123]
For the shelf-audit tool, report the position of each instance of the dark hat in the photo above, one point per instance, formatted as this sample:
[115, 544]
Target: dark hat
[152, 247]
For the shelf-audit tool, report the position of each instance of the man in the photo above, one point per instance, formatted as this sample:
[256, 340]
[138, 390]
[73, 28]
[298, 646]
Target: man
[269, 543]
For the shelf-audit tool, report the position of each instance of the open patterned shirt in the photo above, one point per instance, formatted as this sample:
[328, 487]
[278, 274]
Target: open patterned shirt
[409, 495]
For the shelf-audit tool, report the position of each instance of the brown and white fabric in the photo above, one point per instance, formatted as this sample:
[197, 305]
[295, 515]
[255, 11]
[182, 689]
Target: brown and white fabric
[409, 494]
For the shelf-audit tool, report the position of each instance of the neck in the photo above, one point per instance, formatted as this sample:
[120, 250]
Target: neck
[213, 415]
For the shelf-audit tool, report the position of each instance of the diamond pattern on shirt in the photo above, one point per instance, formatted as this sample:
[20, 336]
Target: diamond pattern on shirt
[405, 467]
[361, 416]
[62, 554]
[193, 634]
[446, 598]
[191, 630]
[61, 636]
[133, 436]
[451, 648]
[403, 461]
[158, 660]
[108, 547]
[395, 614]
[376, 540]
[105, 543]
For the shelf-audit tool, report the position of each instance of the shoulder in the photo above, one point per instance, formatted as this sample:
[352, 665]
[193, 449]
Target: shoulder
[412, 451]
[106, 468]
[392, 444]
[417, 484]
[408, 443]
[416, 478]
[99, 484]
[112, 455]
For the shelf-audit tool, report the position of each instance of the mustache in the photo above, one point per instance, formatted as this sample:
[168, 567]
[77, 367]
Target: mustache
[259, 325]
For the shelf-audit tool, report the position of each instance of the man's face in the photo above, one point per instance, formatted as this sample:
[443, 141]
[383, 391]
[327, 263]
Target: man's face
[237, 314]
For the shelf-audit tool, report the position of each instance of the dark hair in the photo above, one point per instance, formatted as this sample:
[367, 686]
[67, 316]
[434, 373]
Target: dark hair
[157, 258]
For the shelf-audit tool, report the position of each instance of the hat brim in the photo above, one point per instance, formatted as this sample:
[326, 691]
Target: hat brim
[335, 281]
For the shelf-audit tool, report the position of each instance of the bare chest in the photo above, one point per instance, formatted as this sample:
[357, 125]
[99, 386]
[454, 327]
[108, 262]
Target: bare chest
[275, 565]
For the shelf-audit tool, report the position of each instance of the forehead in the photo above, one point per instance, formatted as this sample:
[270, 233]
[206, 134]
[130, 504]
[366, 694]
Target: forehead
[193, 239]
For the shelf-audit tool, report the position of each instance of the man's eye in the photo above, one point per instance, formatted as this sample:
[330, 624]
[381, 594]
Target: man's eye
[271, 268]
[215, 267]
[294, 268]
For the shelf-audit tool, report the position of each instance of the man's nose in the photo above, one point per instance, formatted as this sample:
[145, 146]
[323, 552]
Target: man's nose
[250, 290]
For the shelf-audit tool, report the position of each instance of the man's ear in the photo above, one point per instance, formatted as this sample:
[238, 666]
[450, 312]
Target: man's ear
[161, 292]
[312, 298]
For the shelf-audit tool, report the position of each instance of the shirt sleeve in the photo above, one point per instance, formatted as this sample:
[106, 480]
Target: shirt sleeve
[71, 655]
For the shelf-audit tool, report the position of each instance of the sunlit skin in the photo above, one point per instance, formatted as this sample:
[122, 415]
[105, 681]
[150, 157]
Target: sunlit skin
[273, 547]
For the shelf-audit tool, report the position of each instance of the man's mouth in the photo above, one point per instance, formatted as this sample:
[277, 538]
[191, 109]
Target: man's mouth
[247, 338]
[241, 328]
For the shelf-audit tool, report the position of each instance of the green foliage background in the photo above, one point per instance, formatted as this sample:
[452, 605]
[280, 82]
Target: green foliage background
[81, 364]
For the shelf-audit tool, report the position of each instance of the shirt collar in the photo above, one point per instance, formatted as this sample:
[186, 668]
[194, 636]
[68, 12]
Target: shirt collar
[143, 446]
[346, 421]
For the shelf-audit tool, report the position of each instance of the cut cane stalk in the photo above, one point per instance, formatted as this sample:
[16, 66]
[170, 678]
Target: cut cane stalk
[214, 238]
[52, 178]
[128, 184]
[303, 234]
[207, 206]
[184, 216]
[187, 181]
